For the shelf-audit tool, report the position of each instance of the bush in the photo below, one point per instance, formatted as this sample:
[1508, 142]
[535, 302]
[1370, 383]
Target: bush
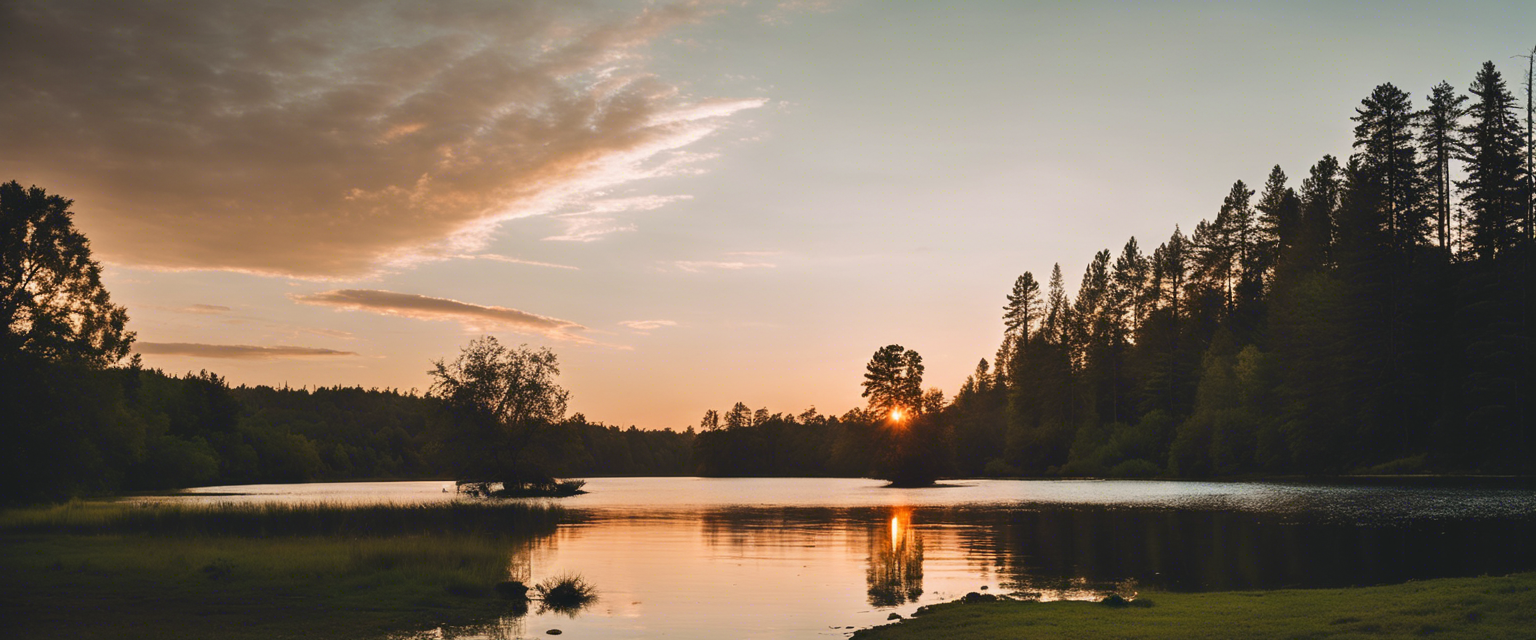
[1137, 468]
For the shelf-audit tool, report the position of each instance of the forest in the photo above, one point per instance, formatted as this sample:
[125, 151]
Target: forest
[78, 431]
[1374, 318]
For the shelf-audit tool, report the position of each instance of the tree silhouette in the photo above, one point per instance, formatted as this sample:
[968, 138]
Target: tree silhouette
[1023, 307]
[496, 399]
[52, 302]
[1492, 148]
[893, 381]
[1440, 137]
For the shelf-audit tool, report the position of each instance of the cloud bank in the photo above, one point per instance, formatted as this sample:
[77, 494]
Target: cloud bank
[233, 351]
[327, 139]
[474, 316]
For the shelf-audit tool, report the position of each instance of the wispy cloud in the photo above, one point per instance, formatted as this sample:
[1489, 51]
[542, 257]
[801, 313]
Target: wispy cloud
[207, 309]
[226, 315]
[589, 229]
[695, 266]
[512, 260]
[397, 129]
[596, 218]
[647, 325]
[234, 351]
[473, 316]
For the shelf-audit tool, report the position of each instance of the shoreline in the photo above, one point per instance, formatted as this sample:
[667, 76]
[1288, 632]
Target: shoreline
[1478, 607]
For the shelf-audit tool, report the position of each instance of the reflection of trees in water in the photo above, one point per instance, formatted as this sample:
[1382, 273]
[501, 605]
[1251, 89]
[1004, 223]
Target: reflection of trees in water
[895, 573]
[1094, 549]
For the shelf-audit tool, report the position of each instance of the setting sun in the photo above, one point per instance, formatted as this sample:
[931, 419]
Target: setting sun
[896, 415]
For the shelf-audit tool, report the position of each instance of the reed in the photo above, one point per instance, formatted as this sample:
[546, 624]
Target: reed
[459, 517]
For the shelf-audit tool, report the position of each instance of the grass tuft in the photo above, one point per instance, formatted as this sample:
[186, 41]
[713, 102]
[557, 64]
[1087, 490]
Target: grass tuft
[566, 593]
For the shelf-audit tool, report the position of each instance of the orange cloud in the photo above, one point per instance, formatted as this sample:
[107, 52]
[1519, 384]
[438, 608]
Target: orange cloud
[233, 351]
[331, 139]
[421, 307]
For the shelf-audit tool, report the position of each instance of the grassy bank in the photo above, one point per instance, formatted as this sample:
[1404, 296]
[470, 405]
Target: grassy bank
[1487, 607]
[114, 570]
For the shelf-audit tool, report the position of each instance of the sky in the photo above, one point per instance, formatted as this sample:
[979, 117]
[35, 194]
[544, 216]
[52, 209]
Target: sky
[692, 203]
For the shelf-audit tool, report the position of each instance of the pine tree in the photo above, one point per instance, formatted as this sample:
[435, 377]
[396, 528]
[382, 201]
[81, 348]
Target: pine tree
[1224, 246]
[1319, 208]
[1384, 135]
[1492, 148]
[1170, 267]
[1132, 272]
[1023, 307]
[1278, 225]
[1439, 138]
[1056, 308]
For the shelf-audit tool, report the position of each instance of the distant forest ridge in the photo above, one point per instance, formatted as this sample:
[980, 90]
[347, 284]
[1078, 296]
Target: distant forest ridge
[1377, 317]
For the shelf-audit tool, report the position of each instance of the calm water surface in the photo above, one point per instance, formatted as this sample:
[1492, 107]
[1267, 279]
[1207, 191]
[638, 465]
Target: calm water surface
[810, 558]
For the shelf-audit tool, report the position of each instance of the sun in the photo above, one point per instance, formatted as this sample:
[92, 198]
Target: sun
[896, 415]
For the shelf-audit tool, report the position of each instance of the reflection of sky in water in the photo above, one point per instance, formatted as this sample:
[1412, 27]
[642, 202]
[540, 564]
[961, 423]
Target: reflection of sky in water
[777, 558]
[1357, 503]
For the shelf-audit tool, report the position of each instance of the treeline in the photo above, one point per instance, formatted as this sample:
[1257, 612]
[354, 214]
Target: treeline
[77, 430]
[744, 442]
[1375, 318]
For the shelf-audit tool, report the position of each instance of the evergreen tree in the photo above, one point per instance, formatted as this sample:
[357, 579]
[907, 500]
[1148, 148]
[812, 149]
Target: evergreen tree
[1384, 138]
[1319, 207]
[1129, 300]
[1056, 308]
[1439, 138]
[1024, 306]
[1278, 224]
[1224, 247]
[1493, 192]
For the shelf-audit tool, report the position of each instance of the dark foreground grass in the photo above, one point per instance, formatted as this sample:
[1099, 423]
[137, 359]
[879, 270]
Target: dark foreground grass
[1487, 607]
[317, 571]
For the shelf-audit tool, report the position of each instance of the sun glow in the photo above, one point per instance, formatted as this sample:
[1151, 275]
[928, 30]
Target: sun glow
[896, 415]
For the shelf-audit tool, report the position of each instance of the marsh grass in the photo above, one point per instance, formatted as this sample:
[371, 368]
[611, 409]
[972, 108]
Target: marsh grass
[157, 570]
[267, 520]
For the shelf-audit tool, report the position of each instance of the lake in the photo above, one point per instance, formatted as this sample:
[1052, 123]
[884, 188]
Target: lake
[815, 558]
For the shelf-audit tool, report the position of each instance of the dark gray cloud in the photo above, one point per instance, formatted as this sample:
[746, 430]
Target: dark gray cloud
[323, 139]
[476, 316]
[233, 351]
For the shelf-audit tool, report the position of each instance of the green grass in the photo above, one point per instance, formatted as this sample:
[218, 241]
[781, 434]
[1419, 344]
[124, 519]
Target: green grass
[122, 570]
[1486, 607]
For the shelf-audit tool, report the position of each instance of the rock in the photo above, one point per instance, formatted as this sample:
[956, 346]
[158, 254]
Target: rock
[893, 616]
[983, 587]
[512, 590]
[1114, 600]
[973, 597]
[554, 632]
